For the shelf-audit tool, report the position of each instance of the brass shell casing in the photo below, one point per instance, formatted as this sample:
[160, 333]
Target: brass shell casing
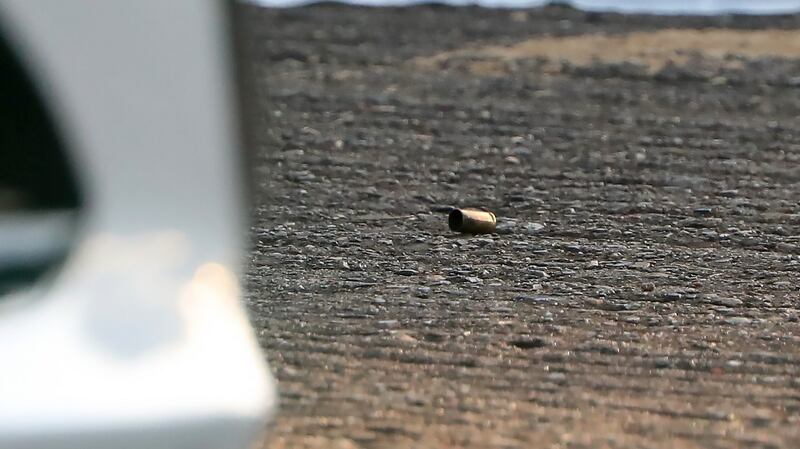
[472, 221]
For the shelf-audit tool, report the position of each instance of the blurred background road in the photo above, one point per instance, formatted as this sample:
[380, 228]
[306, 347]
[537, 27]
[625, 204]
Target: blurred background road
[642, 289]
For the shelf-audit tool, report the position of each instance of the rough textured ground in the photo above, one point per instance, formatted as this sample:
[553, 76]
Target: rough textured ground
[642, 291]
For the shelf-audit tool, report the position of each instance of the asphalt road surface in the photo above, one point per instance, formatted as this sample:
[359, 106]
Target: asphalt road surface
[642, 289]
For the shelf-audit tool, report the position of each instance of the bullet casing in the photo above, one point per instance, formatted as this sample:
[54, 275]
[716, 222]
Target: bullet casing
[472, 221]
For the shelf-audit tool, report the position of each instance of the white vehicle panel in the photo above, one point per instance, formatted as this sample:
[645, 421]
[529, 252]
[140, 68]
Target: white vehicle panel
[141, 337]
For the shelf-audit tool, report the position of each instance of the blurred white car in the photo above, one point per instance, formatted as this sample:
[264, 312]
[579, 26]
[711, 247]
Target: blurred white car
[122, 229]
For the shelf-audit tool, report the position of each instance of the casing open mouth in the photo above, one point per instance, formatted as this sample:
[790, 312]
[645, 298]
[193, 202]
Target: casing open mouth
[472, 221]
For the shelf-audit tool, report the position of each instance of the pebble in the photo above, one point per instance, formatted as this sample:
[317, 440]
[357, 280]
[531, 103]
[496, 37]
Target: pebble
[437, 280]
[718, 81]
[780, 230]
[704, 211]
[505, 227]
[688, 364]
[539, 274]
[529, 342]
[416, 400]
[521, 151]
[738, 321]
[729, 302]
[405, 337]
[574, 248]
[533, 228]
[662, 362]
[761, 419]
[557, 378]
[671, 296]
[536, 298]
[481, 241]
[605, 291]
[600, 348]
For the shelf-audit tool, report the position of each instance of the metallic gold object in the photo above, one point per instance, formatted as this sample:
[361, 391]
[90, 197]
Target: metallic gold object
[472, 221]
